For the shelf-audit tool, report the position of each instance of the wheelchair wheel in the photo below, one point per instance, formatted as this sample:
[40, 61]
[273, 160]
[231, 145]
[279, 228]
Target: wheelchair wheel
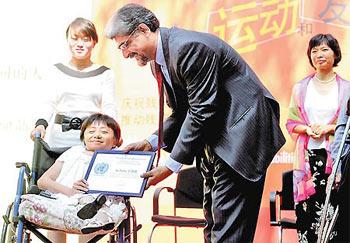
[11, 231]
[8, 233]
[11, 234]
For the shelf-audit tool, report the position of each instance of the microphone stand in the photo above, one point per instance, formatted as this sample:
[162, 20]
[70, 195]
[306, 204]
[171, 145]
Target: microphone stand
[326, 227]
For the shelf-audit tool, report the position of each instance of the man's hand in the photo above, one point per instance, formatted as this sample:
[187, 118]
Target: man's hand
[337, 180]
[143, 145]
[156, 175]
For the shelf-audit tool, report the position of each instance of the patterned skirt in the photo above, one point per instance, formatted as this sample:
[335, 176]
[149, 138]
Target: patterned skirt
[61, 213]
[308, 212]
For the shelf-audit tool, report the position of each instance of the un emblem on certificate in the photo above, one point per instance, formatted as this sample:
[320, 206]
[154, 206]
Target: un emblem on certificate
[101, 168]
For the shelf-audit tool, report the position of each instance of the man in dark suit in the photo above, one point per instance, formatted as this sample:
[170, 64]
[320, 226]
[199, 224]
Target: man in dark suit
[221, 113]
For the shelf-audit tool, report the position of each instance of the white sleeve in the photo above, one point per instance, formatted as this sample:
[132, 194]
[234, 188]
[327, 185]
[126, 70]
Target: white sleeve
[68, 153]
[109, 104]
[47, 92]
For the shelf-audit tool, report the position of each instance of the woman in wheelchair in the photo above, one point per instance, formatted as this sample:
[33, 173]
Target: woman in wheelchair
[64, 205]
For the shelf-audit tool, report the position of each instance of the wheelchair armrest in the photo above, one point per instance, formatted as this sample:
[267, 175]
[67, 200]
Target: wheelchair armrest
[27, 169]
[273, 195]
[156, 198]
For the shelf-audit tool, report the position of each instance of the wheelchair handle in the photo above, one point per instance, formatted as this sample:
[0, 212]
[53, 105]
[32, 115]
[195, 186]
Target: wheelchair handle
[37, 134]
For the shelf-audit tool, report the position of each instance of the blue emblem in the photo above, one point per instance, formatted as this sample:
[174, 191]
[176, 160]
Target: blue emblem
[101, 168]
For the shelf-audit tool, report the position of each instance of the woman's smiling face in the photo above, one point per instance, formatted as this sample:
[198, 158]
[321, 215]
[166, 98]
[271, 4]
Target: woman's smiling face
[322, 57]
[98, 136]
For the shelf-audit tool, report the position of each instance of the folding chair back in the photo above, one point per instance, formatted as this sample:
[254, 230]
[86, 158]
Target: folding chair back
[189, 189]
[187, 194]
[285, 202]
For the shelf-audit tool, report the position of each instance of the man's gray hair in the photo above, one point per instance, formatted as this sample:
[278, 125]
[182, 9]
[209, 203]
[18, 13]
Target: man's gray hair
[128, 18]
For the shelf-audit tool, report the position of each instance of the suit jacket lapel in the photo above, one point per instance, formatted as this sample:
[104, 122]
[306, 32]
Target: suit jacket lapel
[164, 32]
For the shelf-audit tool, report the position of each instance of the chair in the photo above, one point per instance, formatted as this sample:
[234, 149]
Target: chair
[285, 203]
[17, 229]
[188, 193]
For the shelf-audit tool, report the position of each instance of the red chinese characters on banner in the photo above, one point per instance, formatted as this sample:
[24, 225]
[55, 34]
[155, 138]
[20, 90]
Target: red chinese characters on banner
[247, 24]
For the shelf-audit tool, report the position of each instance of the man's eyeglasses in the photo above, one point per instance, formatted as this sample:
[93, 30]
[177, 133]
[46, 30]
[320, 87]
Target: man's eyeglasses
[124, 45]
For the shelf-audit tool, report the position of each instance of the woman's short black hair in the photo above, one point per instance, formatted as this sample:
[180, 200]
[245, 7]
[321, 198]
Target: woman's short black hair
[330, 41]
[109, 121]
[85, 27]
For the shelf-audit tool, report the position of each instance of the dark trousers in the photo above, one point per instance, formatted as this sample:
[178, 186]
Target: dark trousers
[231, 203]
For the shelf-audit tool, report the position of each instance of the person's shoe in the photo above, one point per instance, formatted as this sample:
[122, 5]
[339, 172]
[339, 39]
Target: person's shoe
[91, 209]
[90, 228]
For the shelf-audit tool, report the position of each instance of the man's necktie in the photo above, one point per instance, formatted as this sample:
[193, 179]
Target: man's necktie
[159, 77]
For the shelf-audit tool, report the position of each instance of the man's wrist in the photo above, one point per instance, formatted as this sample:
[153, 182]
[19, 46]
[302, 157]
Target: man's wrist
[153, 141]
[173, 165]
[148, 145]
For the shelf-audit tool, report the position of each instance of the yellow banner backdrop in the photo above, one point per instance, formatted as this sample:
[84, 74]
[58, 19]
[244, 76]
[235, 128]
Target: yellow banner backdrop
[271, 35]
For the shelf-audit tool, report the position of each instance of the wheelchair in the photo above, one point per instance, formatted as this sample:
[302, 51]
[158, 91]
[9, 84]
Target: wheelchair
[17, 229]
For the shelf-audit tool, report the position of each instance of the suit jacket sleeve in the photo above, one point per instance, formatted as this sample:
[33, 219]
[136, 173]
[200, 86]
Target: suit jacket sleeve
[196, 66]
[339, 132]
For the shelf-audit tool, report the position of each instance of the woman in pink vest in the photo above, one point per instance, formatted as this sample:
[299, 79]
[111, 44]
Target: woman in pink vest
[312, 117]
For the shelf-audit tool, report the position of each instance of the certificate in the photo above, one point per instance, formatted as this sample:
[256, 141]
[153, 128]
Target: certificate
[118, 173]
